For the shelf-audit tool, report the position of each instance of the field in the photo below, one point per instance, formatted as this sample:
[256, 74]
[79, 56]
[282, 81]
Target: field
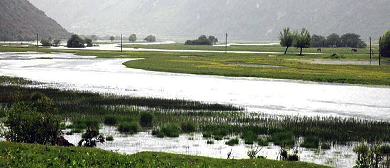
[276, 65]
[29, 155]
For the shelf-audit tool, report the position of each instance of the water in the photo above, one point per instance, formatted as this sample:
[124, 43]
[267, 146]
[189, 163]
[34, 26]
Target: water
[284, 97]
[195, 144]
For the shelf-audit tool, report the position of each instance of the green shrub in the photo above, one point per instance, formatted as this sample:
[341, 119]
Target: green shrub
[110, 138]
[131, 128]
[310, 142]
[171, 130]
[262, 142]
[110, 120]
[232, 142]
[249, 137]
[325, 146]
[283, 139]
[188, 127]
[36, 96]
[146, 119]
[218, 137]
[210, 142]
[90, 138]
[29, 126]
[84, 123]
[2, 113]
[207, 134]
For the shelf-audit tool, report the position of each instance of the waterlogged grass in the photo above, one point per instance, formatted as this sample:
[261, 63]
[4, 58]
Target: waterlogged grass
[30, 155]
[288, 67]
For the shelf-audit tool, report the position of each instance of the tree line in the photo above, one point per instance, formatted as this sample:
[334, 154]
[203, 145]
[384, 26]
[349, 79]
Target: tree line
[202, 40]
[303, 39]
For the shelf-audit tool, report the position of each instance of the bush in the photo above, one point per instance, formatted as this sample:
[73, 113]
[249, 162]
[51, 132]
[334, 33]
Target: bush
[30, 126]
[45, 42]
[171, 130]
[210, 142]
[146, 119]
[249, 137]
[188, 127]
[325, 146]
[90, 138]
[75, 42]
[36, 96]
[207, 134]
[311, 142]
[150, 38]
[131, 128]
[110, 138]
[84, 123]
[2, 113]
[88, 42]
[232, 142]
[110, 120]
[283, 139]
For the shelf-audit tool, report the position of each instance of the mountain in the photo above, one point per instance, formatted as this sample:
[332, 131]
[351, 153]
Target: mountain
[20, 20]
[250, 20]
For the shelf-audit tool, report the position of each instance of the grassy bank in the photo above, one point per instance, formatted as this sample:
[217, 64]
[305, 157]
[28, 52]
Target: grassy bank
[29, 155]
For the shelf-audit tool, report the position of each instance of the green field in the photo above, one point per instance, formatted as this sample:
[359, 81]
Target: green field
[30, 155]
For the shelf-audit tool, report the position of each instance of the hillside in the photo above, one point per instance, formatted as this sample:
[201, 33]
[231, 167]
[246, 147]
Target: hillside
[256, 20]
[20, 20]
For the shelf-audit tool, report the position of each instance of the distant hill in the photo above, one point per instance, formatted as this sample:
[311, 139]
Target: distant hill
[20, 20]
[253, 20]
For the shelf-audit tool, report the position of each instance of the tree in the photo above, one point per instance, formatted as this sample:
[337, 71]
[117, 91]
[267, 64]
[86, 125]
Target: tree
[213, 39]
[94, 37]
[318, 40]
[133, 38]
[88, 42]
[384, 45]
[56, 42]
[352, 40]
[33, 122]
[75, 42]
[286, 38]
[333, 40]
[112, 38]
[303, 40]
[202, 40]
[45, 42]
[150, 38]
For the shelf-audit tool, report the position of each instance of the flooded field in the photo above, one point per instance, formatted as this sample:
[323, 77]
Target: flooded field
[284, 97]
[195, 144]
[274, 97]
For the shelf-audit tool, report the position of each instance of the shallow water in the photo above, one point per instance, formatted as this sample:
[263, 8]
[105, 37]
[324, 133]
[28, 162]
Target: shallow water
[285, 97]
[195, 144]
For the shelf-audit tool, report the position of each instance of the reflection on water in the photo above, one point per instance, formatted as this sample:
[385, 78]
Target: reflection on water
[195, 144]
[270, 96]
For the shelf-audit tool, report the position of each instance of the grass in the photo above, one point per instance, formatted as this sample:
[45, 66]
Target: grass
[291, 65]
[30, 155]
[129, 128]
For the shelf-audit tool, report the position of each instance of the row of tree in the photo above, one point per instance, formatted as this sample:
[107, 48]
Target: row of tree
[334, 40]
[133, 38]
[303, 39]
[202, 40]
[300, 40]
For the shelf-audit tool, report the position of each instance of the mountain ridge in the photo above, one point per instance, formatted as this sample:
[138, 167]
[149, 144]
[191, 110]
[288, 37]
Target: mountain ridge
[250, 20]
[20, 20]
